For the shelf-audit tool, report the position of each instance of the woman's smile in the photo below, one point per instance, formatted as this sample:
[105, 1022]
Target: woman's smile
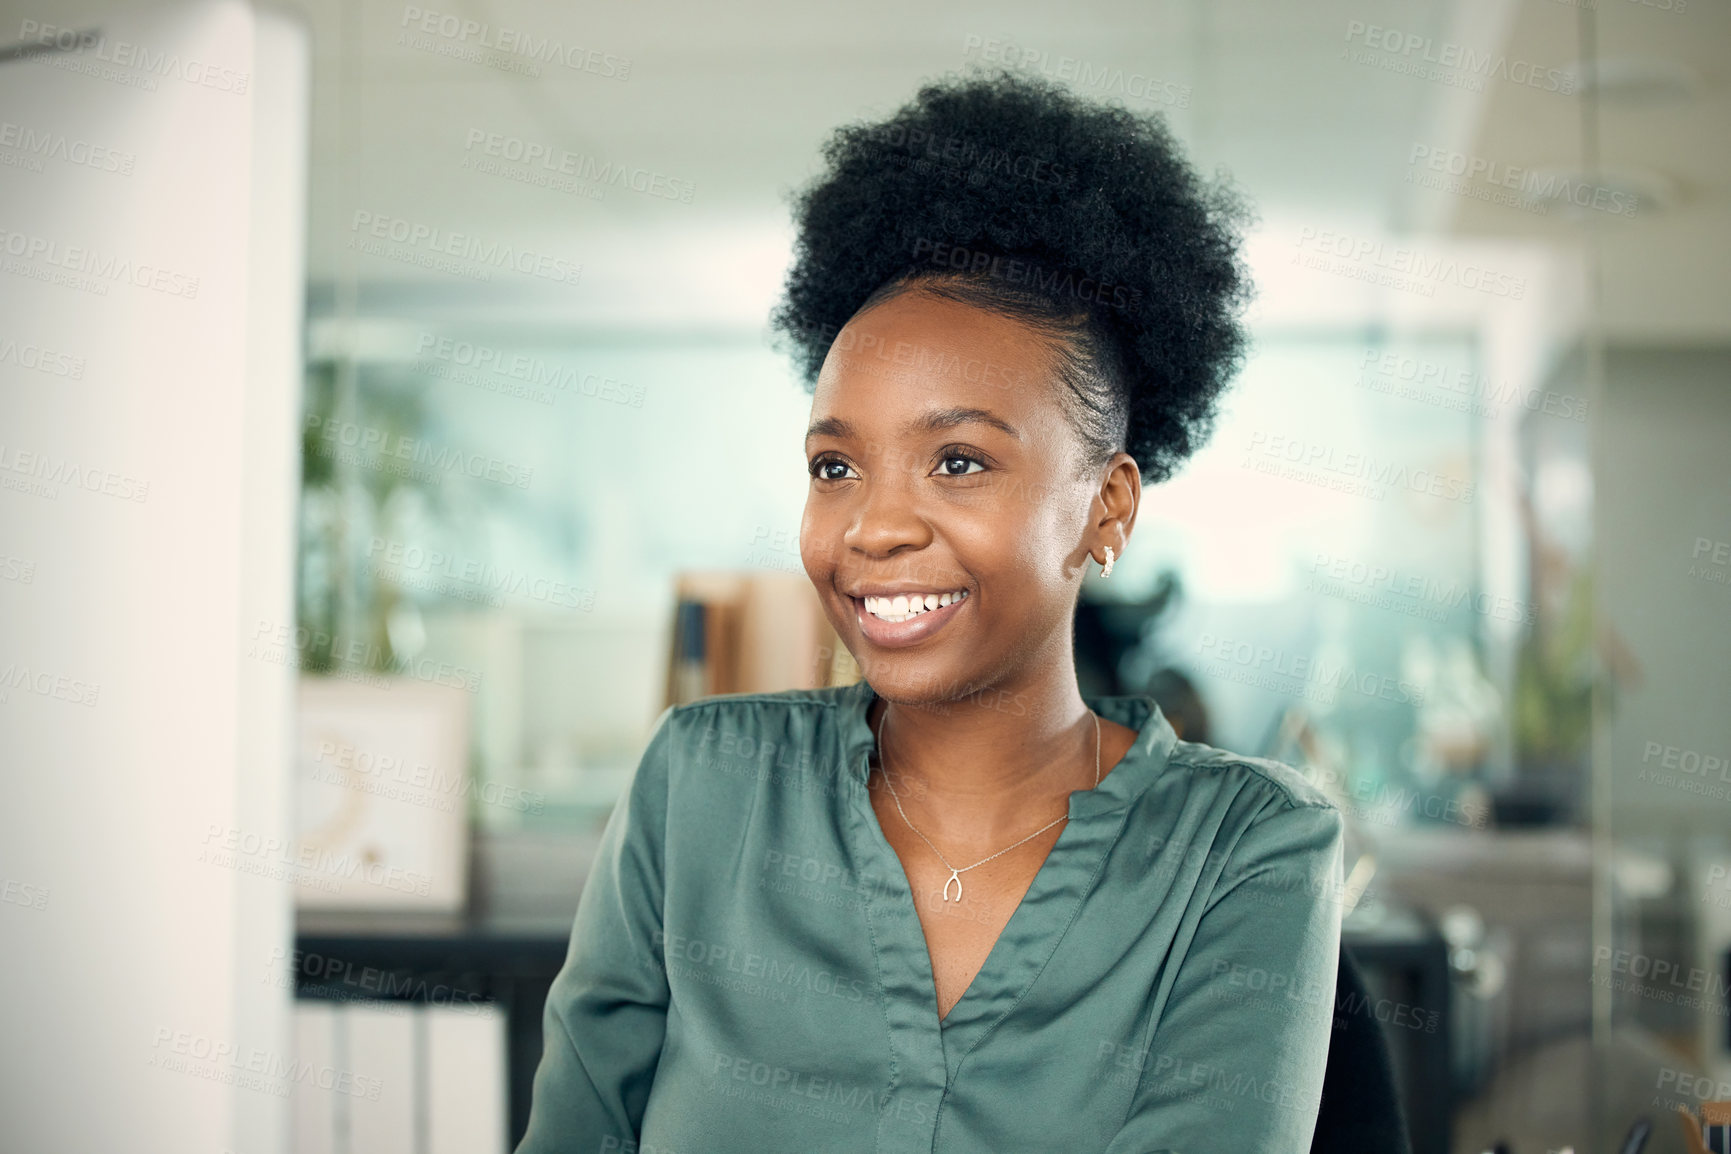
[893, 621]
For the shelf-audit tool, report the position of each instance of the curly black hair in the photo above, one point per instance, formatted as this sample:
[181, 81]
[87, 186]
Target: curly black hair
[1082, 219]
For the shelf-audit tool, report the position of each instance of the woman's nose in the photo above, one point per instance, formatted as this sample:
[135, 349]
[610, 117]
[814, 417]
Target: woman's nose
[886, 518]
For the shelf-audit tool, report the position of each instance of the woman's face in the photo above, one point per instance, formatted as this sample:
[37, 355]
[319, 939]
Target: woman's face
[942, 464]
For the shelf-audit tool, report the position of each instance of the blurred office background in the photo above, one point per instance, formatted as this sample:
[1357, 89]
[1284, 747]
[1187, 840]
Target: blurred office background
[430, 533]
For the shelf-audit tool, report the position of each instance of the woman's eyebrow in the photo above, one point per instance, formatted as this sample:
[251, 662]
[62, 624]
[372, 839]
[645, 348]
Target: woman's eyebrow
[829, 427]
[940, 419]
[932, 422]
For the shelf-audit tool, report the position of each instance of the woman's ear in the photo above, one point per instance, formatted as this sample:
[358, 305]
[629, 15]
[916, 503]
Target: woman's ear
[1120, 495]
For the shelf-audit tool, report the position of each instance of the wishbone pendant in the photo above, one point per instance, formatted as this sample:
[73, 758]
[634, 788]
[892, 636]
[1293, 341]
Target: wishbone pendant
[955, 876]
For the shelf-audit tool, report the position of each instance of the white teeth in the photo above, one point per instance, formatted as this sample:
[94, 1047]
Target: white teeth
[904, 607]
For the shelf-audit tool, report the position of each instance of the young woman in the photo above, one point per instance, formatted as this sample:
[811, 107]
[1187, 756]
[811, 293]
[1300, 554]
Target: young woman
[956, 906]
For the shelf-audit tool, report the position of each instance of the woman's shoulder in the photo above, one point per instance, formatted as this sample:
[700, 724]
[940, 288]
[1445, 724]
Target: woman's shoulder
[1262, 818]
[744, 709]
[793, 731]
[1263, 777]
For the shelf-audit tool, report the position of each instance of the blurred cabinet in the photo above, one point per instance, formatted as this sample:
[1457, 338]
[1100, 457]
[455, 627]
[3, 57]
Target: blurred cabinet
[399, 1077]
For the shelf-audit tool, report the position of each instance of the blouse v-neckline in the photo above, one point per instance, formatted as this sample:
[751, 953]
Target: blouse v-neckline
[1039, 921]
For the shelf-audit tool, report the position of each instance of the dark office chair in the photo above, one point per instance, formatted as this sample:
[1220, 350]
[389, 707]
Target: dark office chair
[1361, 1111]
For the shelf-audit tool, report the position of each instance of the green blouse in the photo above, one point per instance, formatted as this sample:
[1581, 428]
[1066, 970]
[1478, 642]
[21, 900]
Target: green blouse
[747, 970]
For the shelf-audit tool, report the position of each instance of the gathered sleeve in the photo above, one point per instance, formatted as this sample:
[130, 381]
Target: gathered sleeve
[606, 1013]
[1236, 1059]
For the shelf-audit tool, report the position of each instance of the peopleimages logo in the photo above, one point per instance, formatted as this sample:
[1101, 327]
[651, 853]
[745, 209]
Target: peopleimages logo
[1532, 188]
[388, 447]
[968, 158]
[199, 1055]
[1078, 72]
[1333, 574]
[15, 677]
[125, 54]
[1220, 1084]
[32, 356]
[1270, 668]
[513, 42]
[583, 167]
[98, 266]
[1351, 471]
[48, 472]
[1451, 62]
[281, 643]
[469, 578]
[292, 860]
[531, 371]
[1050, 280]
[1660, 979]
[41, 144]
[431, 242]
[1461, 390]
[1406, 263]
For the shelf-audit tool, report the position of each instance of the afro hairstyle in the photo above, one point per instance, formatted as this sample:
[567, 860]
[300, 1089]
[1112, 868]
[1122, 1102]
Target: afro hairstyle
[1082, 219]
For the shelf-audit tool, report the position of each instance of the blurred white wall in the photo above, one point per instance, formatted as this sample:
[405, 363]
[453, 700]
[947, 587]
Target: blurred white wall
[151, 277]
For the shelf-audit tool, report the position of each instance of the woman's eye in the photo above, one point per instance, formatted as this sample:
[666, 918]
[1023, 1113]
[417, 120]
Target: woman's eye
[830, 470]
[958, 466]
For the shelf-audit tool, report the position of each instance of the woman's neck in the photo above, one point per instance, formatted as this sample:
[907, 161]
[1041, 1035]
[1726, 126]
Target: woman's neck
[983, 767]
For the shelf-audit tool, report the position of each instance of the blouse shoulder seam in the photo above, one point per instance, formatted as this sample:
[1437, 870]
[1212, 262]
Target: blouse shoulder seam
[783, 697]
[1264, 769]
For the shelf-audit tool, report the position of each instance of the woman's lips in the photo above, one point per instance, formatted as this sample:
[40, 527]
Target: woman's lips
[896, 634]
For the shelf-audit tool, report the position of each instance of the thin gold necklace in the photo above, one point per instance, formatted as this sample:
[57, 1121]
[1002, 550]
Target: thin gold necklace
[956, 874]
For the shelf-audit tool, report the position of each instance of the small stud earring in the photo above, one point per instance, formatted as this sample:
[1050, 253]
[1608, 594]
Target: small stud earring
[1106, 569]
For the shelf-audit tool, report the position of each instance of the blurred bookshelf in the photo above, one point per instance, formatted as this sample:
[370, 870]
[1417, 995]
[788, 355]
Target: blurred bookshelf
[750, 632]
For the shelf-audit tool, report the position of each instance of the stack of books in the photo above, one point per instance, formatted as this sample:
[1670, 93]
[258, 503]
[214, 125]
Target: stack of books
[1710, 1131]
[751, 632]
